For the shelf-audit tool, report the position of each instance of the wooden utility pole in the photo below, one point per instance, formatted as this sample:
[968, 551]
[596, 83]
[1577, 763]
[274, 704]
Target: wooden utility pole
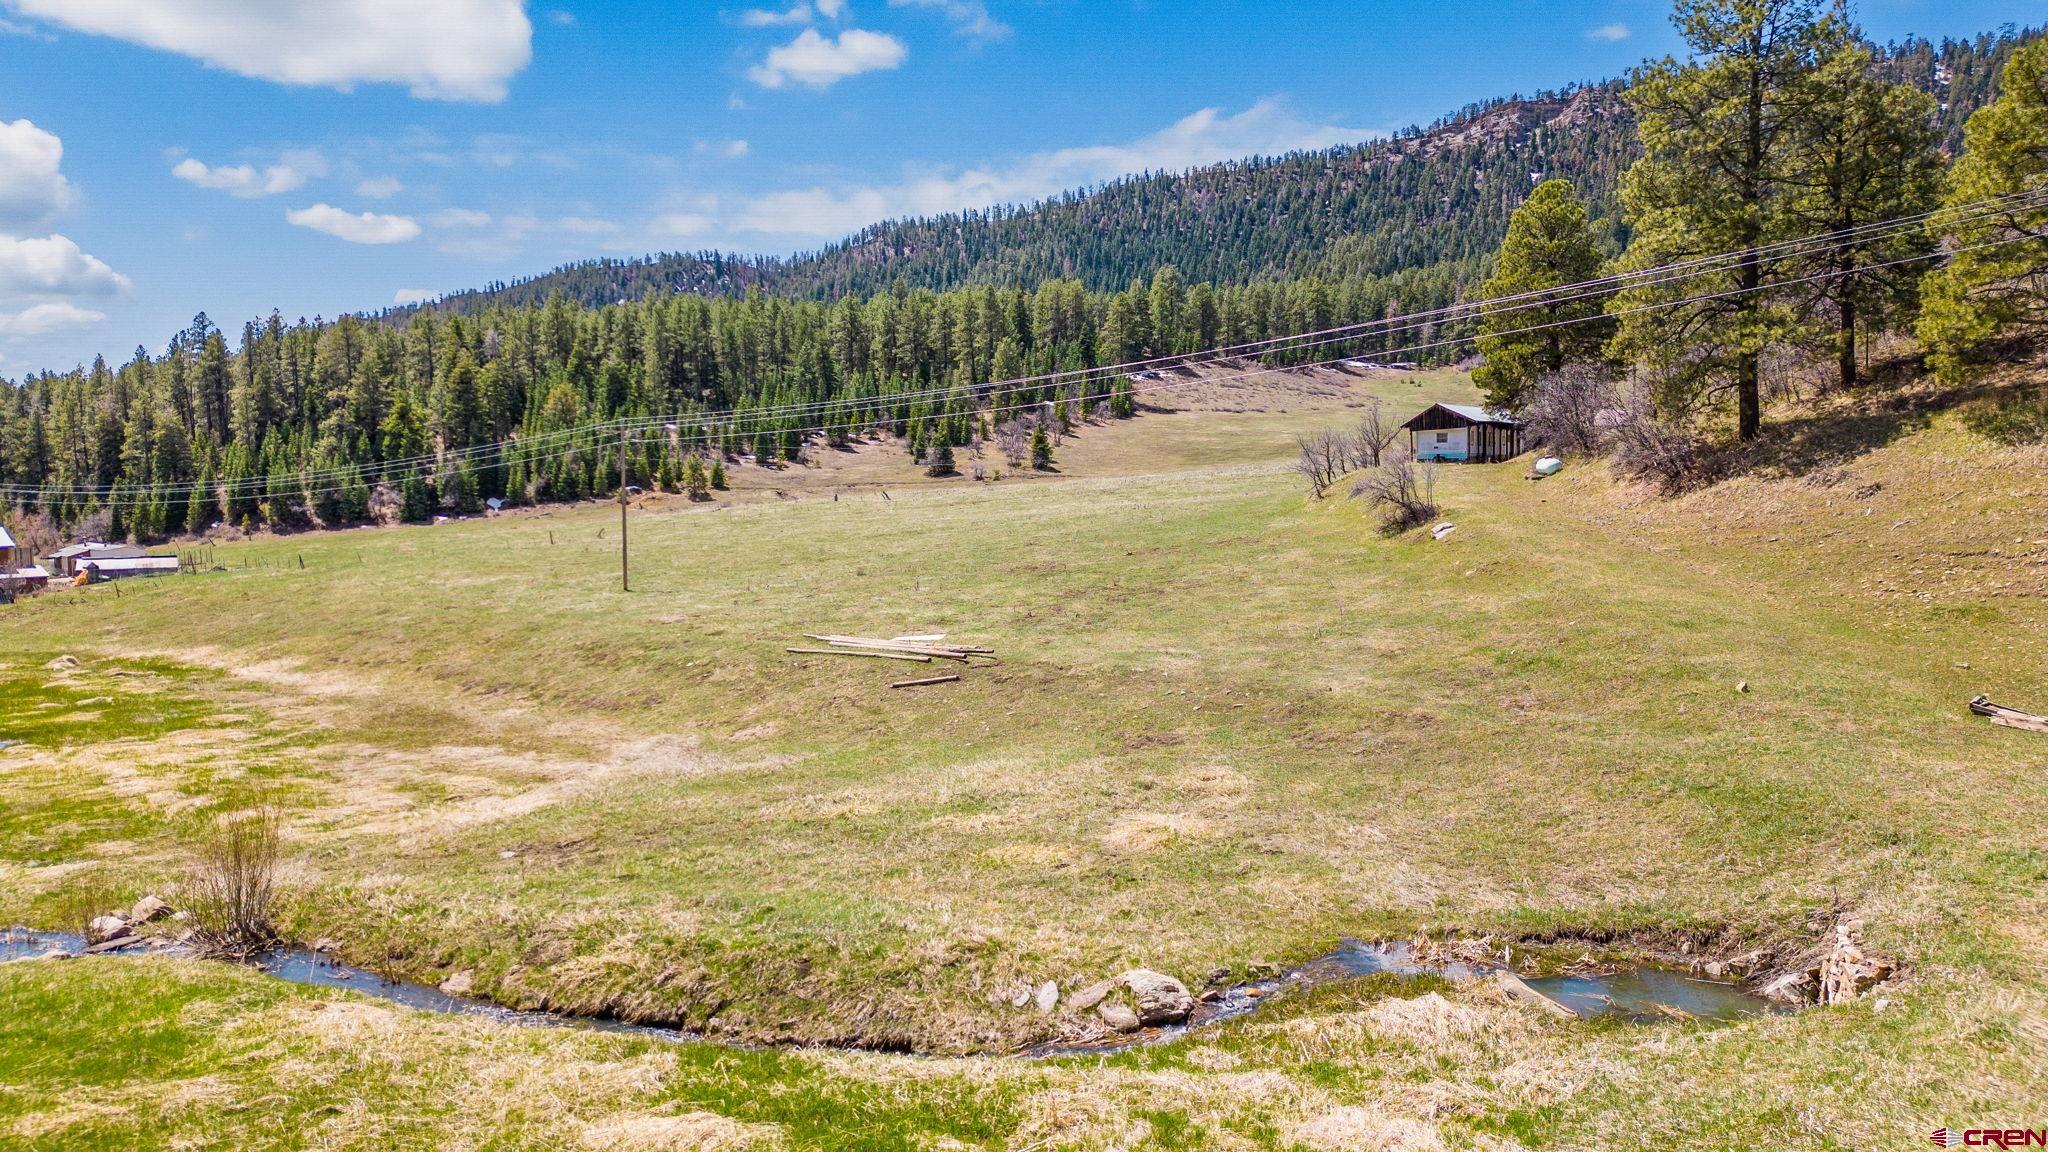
[625, 582]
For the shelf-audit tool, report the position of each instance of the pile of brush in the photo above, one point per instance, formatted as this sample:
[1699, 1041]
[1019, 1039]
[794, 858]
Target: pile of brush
[920, 649]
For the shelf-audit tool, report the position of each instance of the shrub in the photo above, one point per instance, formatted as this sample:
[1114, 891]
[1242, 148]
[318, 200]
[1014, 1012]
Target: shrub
[231, 893]
[1404, 491]
[1649, 448]
[1567, 408]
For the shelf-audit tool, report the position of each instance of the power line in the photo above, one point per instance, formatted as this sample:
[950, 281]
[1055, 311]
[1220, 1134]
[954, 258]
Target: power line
[505, 452]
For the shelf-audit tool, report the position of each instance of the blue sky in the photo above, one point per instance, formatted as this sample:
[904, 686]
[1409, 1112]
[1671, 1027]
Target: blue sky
[160, 157]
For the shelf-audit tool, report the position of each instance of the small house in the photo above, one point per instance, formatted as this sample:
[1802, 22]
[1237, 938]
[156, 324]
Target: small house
[1464, 433]
[7, 549]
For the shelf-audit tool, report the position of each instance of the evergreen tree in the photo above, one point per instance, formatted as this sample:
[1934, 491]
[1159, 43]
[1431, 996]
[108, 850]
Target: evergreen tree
[938, 459]
[1986, 294]
[1866, 155]
[1041, 448]
[1549, 245]
[695, 482]
[717, 474]
[1721, 134]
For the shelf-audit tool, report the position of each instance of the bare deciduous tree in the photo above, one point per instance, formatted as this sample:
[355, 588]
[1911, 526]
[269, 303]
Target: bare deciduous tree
[1649, 447]
[1376, 430]
[1322, 457]
[1013, 438]
[1403, 489]
[1567, 408]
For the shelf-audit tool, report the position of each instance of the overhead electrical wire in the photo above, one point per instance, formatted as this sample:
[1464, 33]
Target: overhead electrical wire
[598, 435]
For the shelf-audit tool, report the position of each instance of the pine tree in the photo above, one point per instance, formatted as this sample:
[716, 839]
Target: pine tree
[1866, 155]
[1720, 135]
[938, 459]
[1041, 448]
[1549, 245]
[1986, 294]
[695, 482]
[717, 474]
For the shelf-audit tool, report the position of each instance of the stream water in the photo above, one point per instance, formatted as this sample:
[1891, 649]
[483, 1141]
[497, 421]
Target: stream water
[1643, 994]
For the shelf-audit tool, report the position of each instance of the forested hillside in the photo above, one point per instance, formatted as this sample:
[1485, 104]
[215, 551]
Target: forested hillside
[1439, 195]
[904, 329]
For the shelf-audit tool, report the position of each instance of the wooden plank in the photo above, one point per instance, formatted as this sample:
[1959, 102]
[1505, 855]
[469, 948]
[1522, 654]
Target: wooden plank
[866, 644]
[2009, 717]
[859, 652]
[1515, 987]
[925, 681]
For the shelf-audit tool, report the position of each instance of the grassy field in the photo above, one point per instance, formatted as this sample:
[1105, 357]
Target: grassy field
[1230, 725]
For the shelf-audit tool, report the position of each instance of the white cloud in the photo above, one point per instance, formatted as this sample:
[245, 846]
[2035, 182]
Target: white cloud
[765, 18]
[447, 50]
[12, 28]
[1266, 128]
[461, 218]
[820, 62]
[244, 180]
[562, 19]
[1612, 33]
[730, 149]
[683, 225]
[970, 17]
[413, 295]
[53, 266]
[831, 9]
[355, 227]
[32, 189]
[37, 319]
[586, 226]
[380, 187]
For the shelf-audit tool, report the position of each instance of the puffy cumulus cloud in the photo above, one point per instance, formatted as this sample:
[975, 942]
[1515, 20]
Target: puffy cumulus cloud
[446, 50]
[970, 18]
[53, 266]
[37, 319]
[817, 61]
[32, 188]
[1612, 33]
[1266, 128]
[289, 173]
[355, 227]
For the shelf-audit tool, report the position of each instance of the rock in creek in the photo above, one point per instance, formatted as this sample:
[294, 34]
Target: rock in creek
[1846, 972]
[460, 983]
[147, 909]
[104, 928]
[1161, 999]
[1117, 1016]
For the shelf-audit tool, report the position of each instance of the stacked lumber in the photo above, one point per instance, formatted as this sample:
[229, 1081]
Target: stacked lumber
[922, 649]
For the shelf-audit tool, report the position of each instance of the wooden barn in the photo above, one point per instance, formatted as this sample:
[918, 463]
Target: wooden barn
[1464, 433]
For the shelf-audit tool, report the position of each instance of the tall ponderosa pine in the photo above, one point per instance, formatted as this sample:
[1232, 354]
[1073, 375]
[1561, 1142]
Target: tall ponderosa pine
[1988, 293]
[1549, 245]
[1865, 155]
[1721, 135]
